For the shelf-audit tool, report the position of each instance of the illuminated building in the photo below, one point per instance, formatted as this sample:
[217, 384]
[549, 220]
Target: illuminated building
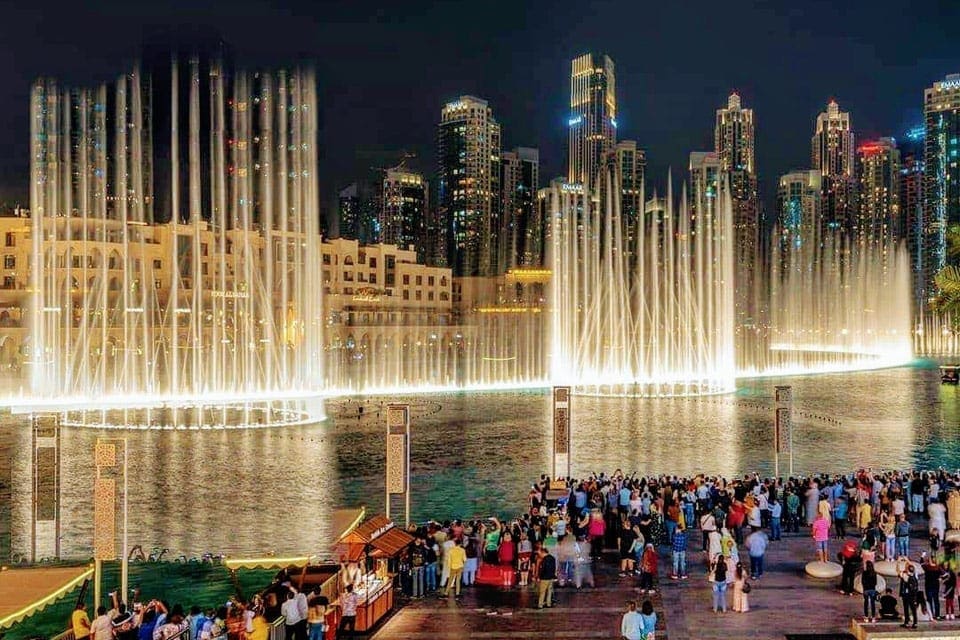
[403, 203]
[878, 192]
[356, 207]
[632, 165]
[734, 144]
[941, 172]
[704, 184]
[799, 207]
[832, 155]
[521, 235]
[469, 194]
[911, 207]
[593, 117]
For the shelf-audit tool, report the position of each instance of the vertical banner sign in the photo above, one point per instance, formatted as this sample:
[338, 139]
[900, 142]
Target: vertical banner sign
[398, 454]
[561, 432]
[105, 504]
[784, 422]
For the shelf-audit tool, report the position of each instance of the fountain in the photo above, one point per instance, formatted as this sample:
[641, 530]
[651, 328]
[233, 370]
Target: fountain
[651, 317]
[173, 280]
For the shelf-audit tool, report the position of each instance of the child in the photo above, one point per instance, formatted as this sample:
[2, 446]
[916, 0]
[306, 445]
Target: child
[648, 569]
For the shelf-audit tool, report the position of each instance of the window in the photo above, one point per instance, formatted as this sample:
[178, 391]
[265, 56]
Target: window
[406, 294]
[11, 240]
[430, 280]
[326, 258]
[348, 276]
[419, 280]
[9, 282]
[373, 263]
[444, 295]
[158, 264]
[390, 280]
[430, 296]
[156, 284]
[419, 295]
[348, 291]
[391, 262]
[373, 277]
[406, 279]
[9, 262]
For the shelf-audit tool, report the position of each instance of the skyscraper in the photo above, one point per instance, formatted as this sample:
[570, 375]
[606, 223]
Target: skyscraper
[911, 207]
[357, 213]
[469, 195]
[704, 183]
[941, 172]
[878, 189]
[832, 150]
[593, 117]
[521, 236]
[734, 143]
[632, 165]
[799, 207]
[403, 205]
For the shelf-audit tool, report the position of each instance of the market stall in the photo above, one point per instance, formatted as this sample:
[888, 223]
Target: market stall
[369, 555]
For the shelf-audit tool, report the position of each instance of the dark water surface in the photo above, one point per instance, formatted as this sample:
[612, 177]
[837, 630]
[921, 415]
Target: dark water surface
[257, 491]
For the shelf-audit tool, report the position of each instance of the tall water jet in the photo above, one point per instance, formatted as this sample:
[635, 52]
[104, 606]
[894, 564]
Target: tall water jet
[652, 317]
[835, 306]
[221, 328]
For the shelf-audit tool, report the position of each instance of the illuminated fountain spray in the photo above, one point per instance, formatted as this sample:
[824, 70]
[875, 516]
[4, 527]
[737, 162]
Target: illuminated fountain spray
[835, 306]
[651, 317]
[222, 326]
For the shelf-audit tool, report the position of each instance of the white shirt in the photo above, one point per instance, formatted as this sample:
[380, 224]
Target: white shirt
[631, 625]
[291, 612]
[898, 507]
[102, 628]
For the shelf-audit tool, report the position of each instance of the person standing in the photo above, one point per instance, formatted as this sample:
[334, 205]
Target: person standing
[547, 576]
[909, 590]
[821, 534]
[648, 618]
[757, 547]
[741, 603]
[949, 579]
[868, 581]
[708, 525]
[80, 622]
[290, 611]
[680, 554]
[456, 559]
[931, 585]
[631, 624]
[472, 551]
[102, 626]
[348, 609]
[718, 576]
[418, 555]
[776, 512]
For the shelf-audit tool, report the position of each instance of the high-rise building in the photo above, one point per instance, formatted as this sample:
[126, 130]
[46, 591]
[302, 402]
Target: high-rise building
[911, 207]
[878, 191]
[734, 143]
[632, 166]
[403, 205]
[469, 194]
[521, 235]
[799, 204]
[593, 117]
[704, 184]
[357, 213]
[832, 152]
[941, 171]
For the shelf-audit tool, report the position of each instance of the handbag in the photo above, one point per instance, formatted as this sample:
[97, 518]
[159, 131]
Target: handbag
[746, 587]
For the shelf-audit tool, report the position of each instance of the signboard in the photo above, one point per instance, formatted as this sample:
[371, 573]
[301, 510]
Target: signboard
[561, 432]
[783, 424]
[398, 455]
[104, 519]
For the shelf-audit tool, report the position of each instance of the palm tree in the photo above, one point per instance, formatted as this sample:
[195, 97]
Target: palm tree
[948, 278]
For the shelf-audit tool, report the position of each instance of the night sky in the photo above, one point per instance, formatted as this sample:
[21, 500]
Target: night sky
[384, 70]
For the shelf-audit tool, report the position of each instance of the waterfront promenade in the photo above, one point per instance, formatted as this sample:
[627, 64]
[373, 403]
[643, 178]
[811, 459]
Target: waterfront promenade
[784, 602]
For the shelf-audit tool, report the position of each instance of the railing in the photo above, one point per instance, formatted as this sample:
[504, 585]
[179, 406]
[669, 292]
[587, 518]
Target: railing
[277, 629]
[66, 635]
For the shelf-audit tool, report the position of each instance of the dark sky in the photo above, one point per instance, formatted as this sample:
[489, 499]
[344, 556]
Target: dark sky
[384, 70]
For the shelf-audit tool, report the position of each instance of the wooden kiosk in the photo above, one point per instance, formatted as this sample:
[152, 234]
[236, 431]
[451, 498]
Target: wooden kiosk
[369, 555]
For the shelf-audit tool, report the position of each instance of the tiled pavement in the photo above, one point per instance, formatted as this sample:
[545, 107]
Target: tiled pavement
[783, 601]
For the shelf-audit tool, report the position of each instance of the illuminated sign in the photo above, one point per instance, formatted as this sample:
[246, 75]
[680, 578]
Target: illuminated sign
[953, 83]
[575, 121]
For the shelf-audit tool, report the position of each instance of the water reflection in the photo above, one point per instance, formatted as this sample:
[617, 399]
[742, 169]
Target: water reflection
[248, 492]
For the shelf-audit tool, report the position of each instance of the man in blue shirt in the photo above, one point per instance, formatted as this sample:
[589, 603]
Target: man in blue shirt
[756, 544]
[679, 553]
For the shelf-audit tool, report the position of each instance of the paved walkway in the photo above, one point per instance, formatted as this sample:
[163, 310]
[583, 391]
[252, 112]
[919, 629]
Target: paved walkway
[784, 601]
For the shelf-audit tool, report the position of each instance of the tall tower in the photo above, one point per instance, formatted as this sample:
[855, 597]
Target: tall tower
[403, 206]
[941, 172]
[832, 150]
[911, 207]
[878, 187]
[704, 184]
[632, 165]
[468, 188]
[593, 117]
[799, 207]
[734, 144]
[522, 230]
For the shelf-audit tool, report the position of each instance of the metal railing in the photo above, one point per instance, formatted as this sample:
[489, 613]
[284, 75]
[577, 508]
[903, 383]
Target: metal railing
[277, 629]
[66, 635]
